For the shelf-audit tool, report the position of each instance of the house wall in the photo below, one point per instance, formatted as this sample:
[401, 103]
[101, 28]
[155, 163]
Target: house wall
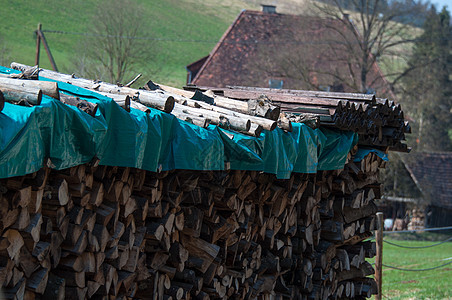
[438, 216]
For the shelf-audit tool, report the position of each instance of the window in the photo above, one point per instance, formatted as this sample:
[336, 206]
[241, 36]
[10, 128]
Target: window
[275, 83]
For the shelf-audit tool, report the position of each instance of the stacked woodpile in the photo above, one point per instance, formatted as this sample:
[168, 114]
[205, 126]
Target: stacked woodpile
[197, 108]
[417, 219]
[379, 122]
[96, 231]
[93, 231]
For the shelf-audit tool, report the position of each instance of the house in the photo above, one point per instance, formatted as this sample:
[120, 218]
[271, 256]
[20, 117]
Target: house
[424, 191]
[272, 50]
[432, 174]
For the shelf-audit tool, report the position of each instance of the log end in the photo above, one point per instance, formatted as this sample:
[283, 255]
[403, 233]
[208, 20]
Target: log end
[127, 103]
[2, 101]
[56, 91]
[290, 127]
[275, 112]
[93, 112]
[169, 104]
[39, 99]
[248, 125]
[274, 125]
[259, 129]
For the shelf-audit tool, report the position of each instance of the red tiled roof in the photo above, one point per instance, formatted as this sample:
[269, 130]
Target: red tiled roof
[432, 173]
[261, 46]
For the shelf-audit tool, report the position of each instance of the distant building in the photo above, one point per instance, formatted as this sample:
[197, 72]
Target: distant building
[428, 182]
[432, 174]
[267, 49]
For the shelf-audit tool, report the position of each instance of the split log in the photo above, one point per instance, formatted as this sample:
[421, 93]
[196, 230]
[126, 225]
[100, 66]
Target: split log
[55, 288]
[209, 97]
[139, 106]
[38, 281]
[193, 119]
[247, 233]
[124, 101]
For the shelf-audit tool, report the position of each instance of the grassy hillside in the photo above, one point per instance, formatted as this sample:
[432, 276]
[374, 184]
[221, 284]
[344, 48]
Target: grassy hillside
[172, 25]
[178, 31]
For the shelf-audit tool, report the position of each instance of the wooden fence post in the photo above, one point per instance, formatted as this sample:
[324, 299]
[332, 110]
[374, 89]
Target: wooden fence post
[38, 44]
[379, 257]
[40, 37]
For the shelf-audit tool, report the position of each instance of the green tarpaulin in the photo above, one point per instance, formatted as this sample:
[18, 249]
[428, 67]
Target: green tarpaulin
[155, 141]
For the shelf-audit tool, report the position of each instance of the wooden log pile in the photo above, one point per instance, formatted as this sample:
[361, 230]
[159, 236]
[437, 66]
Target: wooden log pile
[197, 108]
[417, 219]
[95, 232]
[379, 122]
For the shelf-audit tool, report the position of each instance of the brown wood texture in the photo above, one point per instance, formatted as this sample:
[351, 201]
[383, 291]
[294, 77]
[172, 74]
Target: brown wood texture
[379, 122]
[97, 231]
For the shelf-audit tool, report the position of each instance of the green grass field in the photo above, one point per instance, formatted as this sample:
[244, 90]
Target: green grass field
[180, 32]
[172, 23]
[434, 284]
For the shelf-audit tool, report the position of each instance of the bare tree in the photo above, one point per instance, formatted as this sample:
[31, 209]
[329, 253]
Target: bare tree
[376, 32]
[310, 54]
[114, 46]
[338, 48]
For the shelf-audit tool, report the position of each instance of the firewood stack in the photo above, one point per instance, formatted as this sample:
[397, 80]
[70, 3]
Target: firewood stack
[200, 109]
[96, 231]
[379, 122]
[417, 219]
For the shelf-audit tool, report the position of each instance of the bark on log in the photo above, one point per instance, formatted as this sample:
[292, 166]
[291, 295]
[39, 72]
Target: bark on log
[26, 96]
[152, 99]
[265, 123]
[222, 120]
[122, 100]
[203, 234]
[47, 87]
[83, 105]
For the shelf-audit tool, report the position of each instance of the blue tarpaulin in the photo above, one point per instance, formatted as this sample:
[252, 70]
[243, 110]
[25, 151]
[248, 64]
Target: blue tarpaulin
[154, 141]
[364, 151]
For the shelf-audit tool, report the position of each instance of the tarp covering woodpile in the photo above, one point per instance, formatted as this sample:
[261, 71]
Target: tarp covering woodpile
[176, 194]
[153, 140]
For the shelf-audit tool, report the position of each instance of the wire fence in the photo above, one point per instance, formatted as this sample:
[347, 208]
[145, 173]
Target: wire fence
[416, 270]
[419, 247]
[419, 230]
